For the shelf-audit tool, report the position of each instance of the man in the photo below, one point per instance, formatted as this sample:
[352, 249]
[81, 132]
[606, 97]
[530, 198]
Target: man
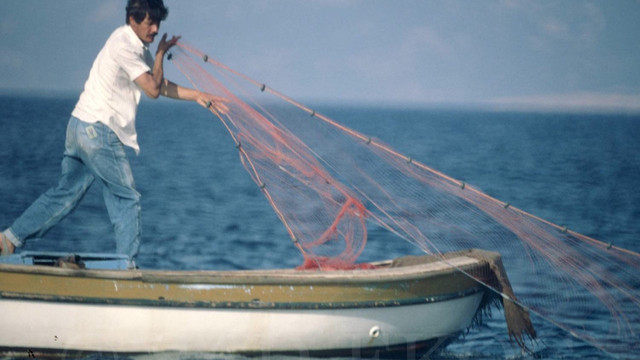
[102, 123]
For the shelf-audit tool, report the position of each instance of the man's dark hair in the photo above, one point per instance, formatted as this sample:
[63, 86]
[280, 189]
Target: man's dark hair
[140, 8]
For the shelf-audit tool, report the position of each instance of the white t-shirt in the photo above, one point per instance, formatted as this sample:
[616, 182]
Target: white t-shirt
[110, 94]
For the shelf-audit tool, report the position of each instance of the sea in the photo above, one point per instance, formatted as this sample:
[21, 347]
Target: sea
[201, 211]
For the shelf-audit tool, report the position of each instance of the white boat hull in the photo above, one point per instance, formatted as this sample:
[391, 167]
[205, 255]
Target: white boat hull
[130, 329]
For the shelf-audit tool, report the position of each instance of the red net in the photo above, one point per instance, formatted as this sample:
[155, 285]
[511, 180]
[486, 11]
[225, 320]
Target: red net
[327, 183]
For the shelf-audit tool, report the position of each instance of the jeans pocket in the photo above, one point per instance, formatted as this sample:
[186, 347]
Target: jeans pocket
[71, 140]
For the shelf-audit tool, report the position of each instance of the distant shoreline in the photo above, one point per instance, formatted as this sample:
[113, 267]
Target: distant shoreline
[497, 106]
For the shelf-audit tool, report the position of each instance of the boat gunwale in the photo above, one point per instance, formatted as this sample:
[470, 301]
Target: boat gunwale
[244, 305]
[433, 267]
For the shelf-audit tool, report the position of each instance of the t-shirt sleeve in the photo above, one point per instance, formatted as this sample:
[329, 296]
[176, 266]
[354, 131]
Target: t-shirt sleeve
[132, 61]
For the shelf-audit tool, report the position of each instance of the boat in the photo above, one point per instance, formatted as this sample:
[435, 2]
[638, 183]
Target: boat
[403, 307]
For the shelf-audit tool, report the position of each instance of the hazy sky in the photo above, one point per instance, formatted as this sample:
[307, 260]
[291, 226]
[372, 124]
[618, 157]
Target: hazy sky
[539, 53]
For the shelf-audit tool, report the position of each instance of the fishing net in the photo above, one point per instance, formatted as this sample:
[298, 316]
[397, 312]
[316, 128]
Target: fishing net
[328, 184]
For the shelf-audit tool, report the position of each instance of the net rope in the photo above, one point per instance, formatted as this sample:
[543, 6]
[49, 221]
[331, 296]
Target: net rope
[328, 183]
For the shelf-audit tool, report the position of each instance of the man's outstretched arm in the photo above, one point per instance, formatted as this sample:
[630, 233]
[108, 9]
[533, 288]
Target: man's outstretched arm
[154, 84]
[174, 91]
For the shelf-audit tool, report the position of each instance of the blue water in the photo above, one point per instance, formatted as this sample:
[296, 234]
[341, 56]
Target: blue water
[202, 211]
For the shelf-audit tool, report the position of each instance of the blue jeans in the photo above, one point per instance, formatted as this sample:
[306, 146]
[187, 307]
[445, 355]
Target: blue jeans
[92, 151]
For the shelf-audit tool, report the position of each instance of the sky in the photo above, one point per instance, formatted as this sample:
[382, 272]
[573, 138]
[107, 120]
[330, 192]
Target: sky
[561, 54]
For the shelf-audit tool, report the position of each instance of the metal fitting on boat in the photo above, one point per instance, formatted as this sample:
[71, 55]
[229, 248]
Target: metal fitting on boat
[374, 332]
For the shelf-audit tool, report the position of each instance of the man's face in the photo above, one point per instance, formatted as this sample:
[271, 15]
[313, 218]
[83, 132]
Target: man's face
[146, 30]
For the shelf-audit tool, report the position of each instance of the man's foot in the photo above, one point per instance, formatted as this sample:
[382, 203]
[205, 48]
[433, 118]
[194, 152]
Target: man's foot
[6, 247]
